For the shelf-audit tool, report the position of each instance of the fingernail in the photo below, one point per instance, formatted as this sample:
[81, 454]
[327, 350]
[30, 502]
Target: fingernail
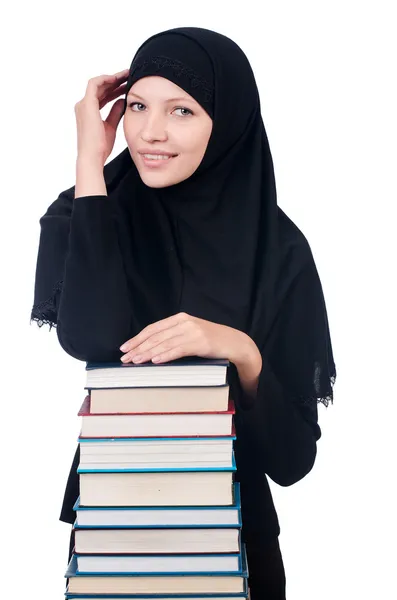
[124, 358]
[124, 347]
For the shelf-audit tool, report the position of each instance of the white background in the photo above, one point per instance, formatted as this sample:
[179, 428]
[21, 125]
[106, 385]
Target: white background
[326, 73]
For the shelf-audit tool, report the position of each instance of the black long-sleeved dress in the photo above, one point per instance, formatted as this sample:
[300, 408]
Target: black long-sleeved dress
[276, 436]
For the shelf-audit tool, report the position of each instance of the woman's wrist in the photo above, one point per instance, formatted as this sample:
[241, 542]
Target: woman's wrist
[90, 180]
[249, 366]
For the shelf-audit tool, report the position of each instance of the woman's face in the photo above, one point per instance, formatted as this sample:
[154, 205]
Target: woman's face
[154, 121]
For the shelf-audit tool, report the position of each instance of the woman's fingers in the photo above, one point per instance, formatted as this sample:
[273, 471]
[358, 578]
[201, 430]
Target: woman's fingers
[102, 84]
[112, 94]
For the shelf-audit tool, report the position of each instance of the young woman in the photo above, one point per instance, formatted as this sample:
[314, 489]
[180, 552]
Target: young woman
[177, 248]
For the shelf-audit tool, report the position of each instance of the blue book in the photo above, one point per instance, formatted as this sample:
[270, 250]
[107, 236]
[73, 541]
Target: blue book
[110, 517]
[155, 453]
[152, 564]
[186, 371]
[185, 469]
[141, 584]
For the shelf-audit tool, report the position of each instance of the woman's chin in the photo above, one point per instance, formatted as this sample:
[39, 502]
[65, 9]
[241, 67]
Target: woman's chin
[158, 180]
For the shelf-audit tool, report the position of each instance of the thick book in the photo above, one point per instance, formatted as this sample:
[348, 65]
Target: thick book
[155, 584]
[155, 424]
[157, 541]
[189, 564]
[159, 399]
[186, 371]
[157, 488]
[149, 517]
[156, 453]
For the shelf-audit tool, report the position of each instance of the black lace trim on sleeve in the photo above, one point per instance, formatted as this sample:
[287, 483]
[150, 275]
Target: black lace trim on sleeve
[314, 400]
[45, 313]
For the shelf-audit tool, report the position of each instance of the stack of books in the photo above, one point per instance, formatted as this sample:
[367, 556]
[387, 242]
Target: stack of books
[159, 511]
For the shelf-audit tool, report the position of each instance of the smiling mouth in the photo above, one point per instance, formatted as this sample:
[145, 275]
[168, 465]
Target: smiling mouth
[156, 162]
[155, 156]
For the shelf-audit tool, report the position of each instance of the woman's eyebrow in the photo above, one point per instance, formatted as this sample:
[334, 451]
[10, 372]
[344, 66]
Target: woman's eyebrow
[168, 99]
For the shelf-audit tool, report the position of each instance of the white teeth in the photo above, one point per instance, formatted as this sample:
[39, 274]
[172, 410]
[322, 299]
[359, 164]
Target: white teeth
[157, 156]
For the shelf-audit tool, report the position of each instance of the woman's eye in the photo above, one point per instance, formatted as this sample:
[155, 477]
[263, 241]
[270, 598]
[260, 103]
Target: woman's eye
[179, 108]
[132, 104]
[182, 108]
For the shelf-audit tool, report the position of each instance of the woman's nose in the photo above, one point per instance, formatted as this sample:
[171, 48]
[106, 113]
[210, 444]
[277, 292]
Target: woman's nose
[154, 129]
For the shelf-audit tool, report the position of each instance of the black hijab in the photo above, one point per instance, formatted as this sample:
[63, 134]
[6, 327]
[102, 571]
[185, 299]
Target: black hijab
[215, 245]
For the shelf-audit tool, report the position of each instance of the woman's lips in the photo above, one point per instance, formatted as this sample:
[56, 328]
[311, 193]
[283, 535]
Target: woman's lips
[154, 163]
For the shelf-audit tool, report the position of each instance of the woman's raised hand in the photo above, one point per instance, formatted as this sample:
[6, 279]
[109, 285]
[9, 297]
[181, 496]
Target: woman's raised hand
[95, 137]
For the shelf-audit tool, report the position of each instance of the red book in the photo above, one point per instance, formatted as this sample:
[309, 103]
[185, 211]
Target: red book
[149, 425]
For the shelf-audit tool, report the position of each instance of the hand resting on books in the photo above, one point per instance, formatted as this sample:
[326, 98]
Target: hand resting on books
[185, 335]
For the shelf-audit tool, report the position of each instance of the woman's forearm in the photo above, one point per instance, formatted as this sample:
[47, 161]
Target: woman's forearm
[94, 312]
[90, 180]
[249, 366]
